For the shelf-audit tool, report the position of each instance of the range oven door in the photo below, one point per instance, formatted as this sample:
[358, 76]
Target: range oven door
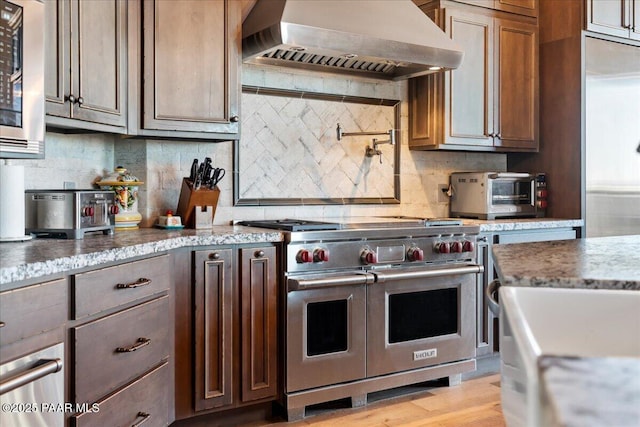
[326, 330]
[419, 317]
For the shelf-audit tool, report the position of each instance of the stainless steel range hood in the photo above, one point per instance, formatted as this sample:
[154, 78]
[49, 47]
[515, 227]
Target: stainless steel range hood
[385, 39]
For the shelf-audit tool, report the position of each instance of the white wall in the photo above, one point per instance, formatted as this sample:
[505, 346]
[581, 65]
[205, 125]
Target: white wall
[162, 164]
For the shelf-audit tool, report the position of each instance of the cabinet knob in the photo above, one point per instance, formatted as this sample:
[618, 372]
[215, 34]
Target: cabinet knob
[259, 254]
[499, 135]
[2, 324]
[234, 119]
[80, 100]
[214, 255]
[71, 99]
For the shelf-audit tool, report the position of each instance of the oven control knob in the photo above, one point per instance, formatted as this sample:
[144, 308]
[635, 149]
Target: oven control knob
[415, 254]
[320, 255]
[369, 257]
[541, 204]
[88, 211]
[468, 246]
[113, 210]
[456, 247]
[442, 248]
[542, 194]
[304, 256]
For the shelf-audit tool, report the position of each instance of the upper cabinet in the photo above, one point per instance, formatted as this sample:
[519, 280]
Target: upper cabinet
[85, 54]
[187, 62]
[489, 103]
[619, 18]
[523, 7]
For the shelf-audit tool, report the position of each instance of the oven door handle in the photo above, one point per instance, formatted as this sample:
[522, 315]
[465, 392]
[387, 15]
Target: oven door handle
[383, 276]
[510, 175]
[45, 368]
[325, 282]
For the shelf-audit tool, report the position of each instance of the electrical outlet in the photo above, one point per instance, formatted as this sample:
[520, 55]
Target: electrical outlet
[69, 185]
[442, 193]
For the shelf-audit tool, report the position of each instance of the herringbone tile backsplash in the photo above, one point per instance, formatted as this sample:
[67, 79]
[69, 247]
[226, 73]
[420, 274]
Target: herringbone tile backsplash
[289, 149]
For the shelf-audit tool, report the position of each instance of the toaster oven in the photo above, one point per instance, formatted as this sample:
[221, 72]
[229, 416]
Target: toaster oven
[69, 213]
[491, 195]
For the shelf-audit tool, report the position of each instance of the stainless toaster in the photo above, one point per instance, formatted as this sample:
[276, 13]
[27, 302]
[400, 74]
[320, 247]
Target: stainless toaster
[69, 213]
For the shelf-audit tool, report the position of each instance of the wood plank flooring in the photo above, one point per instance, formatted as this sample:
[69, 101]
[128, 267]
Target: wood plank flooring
[473, 403]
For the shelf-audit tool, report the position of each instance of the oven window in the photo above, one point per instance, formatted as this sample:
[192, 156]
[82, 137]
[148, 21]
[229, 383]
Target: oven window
[11, 42]
[326, 327]
[511, 192]
[426, 314]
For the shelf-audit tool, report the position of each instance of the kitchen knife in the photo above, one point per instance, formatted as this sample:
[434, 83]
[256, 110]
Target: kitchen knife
[194, 171]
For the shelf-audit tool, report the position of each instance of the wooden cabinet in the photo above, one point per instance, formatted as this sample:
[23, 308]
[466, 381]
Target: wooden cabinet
[523, 7]
[188, 80]
[85, 63]
[619, 18]
[32, 310]
[122, 342]
[490, 103]
[235, 299]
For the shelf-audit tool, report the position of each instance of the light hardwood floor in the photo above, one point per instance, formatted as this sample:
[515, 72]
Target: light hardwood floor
[473, 403]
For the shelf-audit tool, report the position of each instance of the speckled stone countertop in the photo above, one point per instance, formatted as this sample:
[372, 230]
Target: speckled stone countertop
[523, 224]
[592, 263]
[591, 391]
[41, 257]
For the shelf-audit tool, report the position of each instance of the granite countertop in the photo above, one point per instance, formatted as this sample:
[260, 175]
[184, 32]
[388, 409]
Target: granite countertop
[41, 257]
[523, 224]
[592, 263]
[591, 391]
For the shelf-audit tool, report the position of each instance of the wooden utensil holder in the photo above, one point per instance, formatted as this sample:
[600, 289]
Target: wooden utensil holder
[190, 198]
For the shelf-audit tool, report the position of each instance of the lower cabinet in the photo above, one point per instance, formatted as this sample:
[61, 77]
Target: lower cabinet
[235, 327]
[121, 344]
[487, 322]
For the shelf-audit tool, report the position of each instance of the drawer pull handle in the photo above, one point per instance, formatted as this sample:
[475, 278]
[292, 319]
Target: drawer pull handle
[142, 342]
[2, 324]
[145, 418]
[140, 282]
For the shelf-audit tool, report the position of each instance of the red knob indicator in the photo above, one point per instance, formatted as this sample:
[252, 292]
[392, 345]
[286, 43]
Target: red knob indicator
[369, 257]
[456, 247]
[442, 248]
[113, 210]
[415, 254]
[468, 246]
[89, 211]
[320, 255]
[304, 256]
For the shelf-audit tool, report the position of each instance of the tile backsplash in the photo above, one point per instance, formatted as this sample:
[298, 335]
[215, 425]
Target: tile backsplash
[161, 164]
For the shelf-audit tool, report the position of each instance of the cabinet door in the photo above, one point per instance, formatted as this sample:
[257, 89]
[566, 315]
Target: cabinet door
[609, 17]
[191, 65]
[57, 57]
[516, 105]
[259, 324]
[470, 88]
[522, 7]
[213, 302]
[635, 20]
[98, 44]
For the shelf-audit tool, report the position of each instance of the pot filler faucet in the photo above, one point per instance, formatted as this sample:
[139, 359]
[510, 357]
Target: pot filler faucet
[370, 151]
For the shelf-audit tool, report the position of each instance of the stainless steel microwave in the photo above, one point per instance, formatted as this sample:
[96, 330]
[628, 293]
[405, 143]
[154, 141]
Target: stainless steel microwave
[491, 195]
[21, 79]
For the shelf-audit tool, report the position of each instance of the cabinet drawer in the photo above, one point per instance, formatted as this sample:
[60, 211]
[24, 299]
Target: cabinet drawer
[28, 311]
[102, 289]
[115, 349]
[146, 398]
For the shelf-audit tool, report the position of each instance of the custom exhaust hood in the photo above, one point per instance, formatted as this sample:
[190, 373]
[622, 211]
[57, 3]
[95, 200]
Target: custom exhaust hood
[384, 39]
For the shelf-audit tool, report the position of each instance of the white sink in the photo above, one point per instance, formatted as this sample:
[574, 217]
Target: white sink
[536, 322]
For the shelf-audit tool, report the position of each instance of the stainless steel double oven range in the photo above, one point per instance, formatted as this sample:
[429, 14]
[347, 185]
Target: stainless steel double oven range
[375, 304]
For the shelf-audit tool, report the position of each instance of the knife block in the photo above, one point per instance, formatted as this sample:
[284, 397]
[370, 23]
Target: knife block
[190, 198]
